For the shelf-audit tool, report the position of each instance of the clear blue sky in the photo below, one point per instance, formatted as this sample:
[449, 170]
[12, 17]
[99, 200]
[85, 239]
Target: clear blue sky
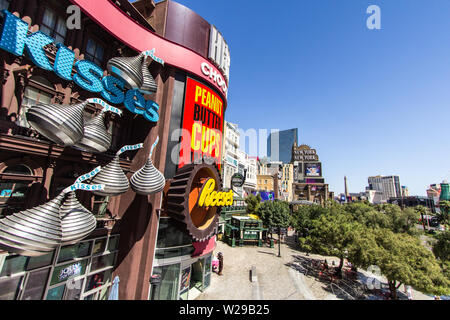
[370, 101]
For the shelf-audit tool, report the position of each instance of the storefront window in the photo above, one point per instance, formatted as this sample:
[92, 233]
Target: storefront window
[35, 286]
[167, 289]
[13, 265]
[103, 261]
[79, 250]
[27, 278]
[13, 192]
[9, 288]
[56, 293]
[113, 243]
[99, 246]
[64, 272]
[73, 292]
[97, 280]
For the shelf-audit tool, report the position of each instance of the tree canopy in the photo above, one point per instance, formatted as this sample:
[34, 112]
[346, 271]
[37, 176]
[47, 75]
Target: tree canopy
[382, 235]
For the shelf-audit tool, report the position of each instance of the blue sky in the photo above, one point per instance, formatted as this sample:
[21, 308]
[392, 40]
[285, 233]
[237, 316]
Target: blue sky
[370, 101]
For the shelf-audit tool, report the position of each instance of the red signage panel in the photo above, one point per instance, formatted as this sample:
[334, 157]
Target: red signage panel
[202, 124]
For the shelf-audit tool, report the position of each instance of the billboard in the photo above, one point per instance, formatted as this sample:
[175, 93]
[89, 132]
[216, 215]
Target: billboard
[313, 169]
[265, 195]
[202, 125]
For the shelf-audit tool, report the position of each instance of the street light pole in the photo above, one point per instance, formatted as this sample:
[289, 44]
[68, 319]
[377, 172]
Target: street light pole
[279, 242]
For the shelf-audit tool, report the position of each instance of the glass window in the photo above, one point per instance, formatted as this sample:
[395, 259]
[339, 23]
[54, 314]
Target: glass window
[169, 235]
[54, 26]
[103, 261]
[167, 289]
[35, 286]
[12, 196]
[41, 261]
[73, 291]
[79, 250]
[207, 281]
[100, 205]
[208, 264]
[97, 280]
[99, 246]
[56, 293]
[9, 288]
[4, 4]
[113, 243]
[19, 169]
[64, 272]
[94, 52]
[33, 96]
[13, 265]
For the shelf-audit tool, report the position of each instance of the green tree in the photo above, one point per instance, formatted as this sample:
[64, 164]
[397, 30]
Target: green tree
[275, 214]
[401, 258]
[441, 247]
[331, 235]
[444, 208]
[253, 202]
[301, 219]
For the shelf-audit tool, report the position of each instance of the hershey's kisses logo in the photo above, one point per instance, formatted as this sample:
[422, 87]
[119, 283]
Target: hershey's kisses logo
[14, 39]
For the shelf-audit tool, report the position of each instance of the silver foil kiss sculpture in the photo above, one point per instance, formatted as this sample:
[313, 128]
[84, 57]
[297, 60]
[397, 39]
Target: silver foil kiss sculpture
[96, 137]
[134, 71]
[61, 124]
[148, 180]
[39, 230]
[113, 177]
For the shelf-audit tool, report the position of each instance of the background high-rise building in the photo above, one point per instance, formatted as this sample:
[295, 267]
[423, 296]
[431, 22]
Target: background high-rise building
[389, 186]
[285, 140]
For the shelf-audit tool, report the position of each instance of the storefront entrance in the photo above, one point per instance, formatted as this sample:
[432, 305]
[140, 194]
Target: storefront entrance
[181, 281]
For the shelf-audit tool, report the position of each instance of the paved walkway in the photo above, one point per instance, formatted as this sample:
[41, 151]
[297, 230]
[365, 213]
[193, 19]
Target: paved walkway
[277, 277]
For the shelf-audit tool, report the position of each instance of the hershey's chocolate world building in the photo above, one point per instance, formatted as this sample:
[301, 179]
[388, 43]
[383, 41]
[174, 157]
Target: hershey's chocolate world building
[110, 138]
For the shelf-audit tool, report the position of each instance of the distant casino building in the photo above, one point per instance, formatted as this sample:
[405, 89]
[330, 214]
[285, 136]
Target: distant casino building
[309, 183]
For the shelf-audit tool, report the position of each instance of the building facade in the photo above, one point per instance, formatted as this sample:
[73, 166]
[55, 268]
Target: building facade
[230, 158]
[280, 143]
[309, 183]
[149, 241]
[389, 186]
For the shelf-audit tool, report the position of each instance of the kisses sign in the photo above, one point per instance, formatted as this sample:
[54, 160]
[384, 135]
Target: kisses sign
[15, 38]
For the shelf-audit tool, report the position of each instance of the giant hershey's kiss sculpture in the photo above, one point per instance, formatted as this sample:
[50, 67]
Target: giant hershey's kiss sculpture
[96, 137]
[134, 71]
[38, 231]
[59, 123]
[148, 180]
[112, 175]
[65, 125]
